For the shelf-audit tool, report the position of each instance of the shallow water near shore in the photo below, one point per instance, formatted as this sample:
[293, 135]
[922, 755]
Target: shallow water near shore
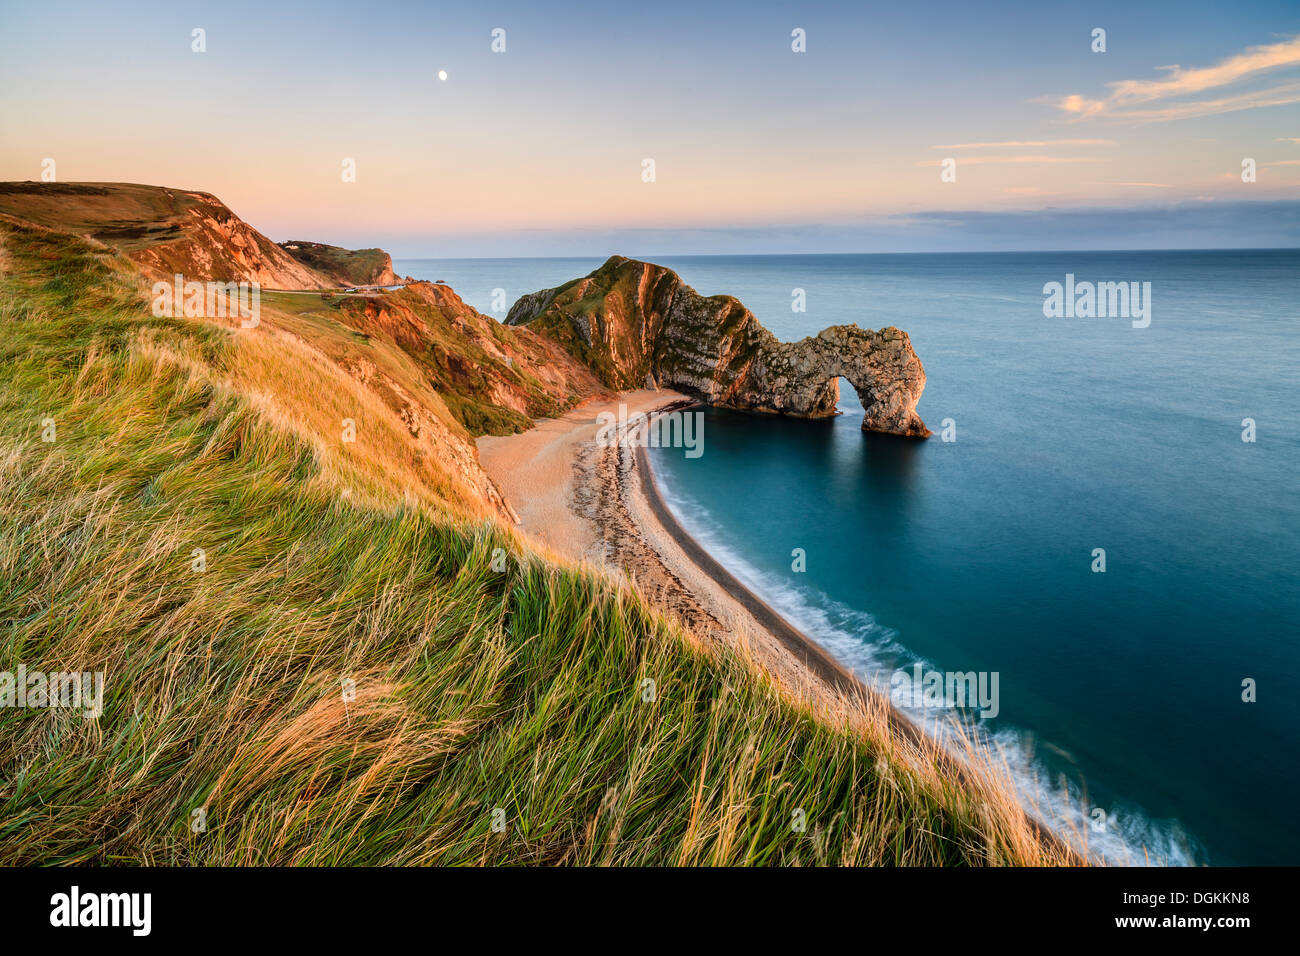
[1118, 691]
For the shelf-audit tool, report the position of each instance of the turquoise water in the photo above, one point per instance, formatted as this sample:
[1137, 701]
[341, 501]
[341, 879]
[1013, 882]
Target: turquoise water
[1119, 690]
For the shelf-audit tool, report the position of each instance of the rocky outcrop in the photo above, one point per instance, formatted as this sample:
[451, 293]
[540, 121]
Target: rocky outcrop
[881, 367]
[635, 323]
[349, 267]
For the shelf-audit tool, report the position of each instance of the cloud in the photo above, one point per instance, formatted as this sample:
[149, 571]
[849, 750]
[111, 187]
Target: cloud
[1277, 96]
[1015, 159]
[1030, 144]
[1078, 105]
[1149, 185]
[1181, 82]
[1146, 100]
[1189, 225]
[1200, 224]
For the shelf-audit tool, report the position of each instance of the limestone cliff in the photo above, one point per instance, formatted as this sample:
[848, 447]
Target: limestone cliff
[635, 322]
[165, 231]
[349, 267]
[421, 372]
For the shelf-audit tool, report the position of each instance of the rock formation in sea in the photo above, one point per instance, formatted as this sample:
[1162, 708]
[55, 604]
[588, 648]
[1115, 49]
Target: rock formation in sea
[636, 323]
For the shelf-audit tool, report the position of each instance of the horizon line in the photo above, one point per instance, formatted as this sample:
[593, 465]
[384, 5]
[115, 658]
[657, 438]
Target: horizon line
[792, 255]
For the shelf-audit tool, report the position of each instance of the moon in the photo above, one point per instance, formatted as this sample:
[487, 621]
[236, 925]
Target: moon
[442, 75]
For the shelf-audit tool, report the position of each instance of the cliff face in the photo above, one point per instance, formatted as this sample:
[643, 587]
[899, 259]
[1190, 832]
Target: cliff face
[494, 379]
[420, 372]
[635, 323]
[349, 267]
[164, 231]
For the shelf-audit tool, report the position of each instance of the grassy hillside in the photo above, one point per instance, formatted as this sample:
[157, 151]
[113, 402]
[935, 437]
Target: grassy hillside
[495, 379]
[347, 266]
[164, 231]
[476, 689]
[489, 379]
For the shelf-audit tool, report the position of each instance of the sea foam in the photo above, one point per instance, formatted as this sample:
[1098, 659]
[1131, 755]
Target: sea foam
[873, 651]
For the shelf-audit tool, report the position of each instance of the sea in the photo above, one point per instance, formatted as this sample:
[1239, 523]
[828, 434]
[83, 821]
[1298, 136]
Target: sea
[1103, 532]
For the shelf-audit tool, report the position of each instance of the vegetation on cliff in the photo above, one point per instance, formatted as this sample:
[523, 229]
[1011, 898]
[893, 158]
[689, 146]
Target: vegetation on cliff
[164, 231]
[314, 642]
[636, 322]
[350, 267]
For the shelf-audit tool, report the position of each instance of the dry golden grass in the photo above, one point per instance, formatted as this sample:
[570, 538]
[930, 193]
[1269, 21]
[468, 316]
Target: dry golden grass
[499, 717]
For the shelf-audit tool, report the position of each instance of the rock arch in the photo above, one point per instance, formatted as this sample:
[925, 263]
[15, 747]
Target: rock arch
[635, 322]
[881, 366]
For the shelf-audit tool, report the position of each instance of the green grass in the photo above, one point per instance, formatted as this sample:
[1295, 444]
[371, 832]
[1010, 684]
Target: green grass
[476, 689]
[348, 266]
[456, 365]
[480, 418]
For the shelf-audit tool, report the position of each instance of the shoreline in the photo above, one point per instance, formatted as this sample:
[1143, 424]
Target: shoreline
[815, 658]
[811, 654]
[590, 503]
[602, 505]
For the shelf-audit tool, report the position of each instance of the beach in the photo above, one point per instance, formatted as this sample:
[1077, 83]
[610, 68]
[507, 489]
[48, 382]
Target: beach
[598, 503]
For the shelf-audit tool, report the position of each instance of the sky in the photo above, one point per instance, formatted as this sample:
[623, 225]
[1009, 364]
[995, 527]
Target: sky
[540, 149]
